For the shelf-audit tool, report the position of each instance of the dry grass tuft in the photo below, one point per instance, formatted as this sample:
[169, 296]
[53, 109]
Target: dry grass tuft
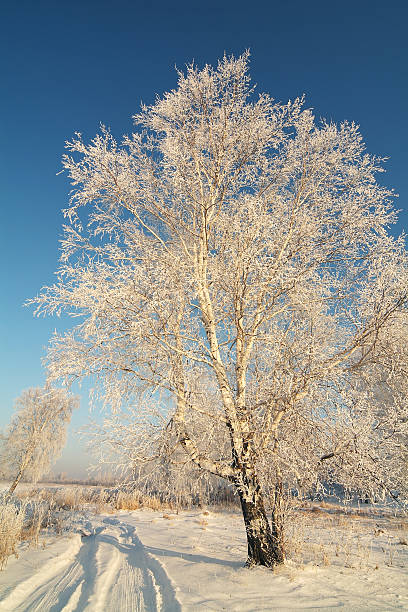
[37, 515]
[11, 525]
[351, 539]
[133, 500]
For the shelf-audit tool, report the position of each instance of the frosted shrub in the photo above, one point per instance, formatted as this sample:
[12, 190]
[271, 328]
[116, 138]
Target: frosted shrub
[37, 516]
[133, 500]
[23, 520]
[11, 525]
[70, 498]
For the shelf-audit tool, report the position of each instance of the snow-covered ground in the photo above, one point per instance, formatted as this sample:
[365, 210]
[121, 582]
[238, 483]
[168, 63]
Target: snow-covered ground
[193, 561]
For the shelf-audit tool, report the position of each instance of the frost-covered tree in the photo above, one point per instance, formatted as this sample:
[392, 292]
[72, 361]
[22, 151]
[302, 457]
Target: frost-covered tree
[37, 433]
[231, 259]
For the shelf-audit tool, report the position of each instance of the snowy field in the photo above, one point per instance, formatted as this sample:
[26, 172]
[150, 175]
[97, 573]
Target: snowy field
[153, 560]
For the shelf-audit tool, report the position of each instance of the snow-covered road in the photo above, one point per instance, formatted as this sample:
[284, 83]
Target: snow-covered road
[106, 570]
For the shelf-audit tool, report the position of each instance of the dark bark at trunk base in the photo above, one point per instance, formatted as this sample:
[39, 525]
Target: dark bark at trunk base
[265, 545]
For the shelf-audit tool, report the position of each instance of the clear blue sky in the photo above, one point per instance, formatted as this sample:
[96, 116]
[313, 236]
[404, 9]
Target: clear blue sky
[68, 67]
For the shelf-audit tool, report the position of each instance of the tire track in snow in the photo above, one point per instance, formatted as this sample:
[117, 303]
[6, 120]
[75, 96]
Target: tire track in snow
[139, 573]
[111, 570]
[19, 596]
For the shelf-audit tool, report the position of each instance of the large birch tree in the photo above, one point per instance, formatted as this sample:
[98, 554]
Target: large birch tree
[232, 258]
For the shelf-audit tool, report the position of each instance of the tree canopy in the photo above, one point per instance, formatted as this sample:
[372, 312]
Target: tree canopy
[37, 432]
[231, 261]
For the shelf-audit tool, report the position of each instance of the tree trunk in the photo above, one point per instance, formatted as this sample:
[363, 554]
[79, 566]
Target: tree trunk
[265, 545]
[278, 516]
[15, 483]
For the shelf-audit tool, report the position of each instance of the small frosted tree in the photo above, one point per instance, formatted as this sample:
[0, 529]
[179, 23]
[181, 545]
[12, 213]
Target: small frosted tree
[236, 265]
[37, 433]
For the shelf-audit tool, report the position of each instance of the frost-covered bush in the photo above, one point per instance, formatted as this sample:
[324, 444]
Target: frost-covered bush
[70, 498]
[37, 517]
[23, 520]
[11, 526]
